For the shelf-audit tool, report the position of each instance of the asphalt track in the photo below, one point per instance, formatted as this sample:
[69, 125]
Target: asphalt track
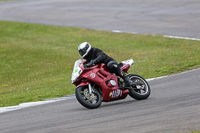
[171, 17]
[174, 104]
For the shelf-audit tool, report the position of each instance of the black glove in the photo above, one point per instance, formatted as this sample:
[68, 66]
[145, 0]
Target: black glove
[91, 63]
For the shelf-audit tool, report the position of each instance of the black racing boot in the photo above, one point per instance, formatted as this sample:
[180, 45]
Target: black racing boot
[129, 83]
[126, 79]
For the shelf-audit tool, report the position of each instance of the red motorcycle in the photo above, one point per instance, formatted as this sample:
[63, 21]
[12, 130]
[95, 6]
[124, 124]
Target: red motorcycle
[96, 84]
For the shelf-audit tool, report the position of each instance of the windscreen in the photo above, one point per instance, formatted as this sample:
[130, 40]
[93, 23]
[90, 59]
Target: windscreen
[76, 64]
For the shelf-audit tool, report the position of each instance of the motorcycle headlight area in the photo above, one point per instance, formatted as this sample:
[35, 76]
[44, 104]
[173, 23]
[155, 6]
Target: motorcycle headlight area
[76, 73]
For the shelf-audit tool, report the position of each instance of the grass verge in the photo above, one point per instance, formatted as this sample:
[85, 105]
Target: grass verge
[36, 61]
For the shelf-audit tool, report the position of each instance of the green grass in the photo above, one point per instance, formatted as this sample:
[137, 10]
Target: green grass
[36, 61]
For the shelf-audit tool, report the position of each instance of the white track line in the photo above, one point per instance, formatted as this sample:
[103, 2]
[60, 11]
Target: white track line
[30, 104]
[187, 38]
[177, 37]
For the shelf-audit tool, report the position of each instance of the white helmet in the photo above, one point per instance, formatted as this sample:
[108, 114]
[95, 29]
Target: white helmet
[84, 48]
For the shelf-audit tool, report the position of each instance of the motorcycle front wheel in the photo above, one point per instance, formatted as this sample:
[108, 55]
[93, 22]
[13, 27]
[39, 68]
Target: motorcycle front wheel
[140, 91]
[90, 101]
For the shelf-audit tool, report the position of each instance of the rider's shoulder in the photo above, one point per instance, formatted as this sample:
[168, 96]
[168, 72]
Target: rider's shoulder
[96, 49]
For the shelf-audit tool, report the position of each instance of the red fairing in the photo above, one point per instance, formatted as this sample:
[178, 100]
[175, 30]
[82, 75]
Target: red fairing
[107, 81]
[83, 83]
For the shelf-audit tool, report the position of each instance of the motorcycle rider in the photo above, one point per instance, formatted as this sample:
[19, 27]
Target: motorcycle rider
[95, 56]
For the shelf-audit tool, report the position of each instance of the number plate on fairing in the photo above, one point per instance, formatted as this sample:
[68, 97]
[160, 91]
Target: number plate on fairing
[115, 93]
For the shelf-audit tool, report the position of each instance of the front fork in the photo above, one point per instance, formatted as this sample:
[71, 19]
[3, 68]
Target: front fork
[88, 83]
[89, 86]
[90, 89]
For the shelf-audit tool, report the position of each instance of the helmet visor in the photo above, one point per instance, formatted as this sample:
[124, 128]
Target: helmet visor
[84, 50]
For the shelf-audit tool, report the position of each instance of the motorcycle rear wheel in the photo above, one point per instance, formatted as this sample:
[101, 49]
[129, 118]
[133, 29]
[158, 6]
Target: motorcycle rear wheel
[90, 101]
[139, 92]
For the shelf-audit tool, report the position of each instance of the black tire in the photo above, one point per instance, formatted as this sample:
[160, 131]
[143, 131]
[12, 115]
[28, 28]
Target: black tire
[85, 99]
[139, 92]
